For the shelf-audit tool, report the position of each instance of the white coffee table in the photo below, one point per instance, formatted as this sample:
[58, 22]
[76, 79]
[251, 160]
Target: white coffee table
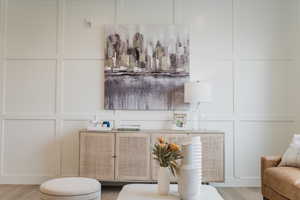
[149, 192]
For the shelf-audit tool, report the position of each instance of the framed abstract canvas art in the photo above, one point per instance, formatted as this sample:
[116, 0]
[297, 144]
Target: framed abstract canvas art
[146, 67]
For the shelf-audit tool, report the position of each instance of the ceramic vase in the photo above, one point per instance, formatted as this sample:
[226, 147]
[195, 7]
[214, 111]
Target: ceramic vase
[190, 172]
[163, 181]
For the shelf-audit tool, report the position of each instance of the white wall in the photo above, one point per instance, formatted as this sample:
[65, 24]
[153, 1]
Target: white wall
[51, 79]
[295, 89]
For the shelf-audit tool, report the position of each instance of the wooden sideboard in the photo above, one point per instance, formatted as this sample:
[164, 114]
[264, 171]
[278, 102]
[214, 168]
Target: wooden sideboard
[126, 156]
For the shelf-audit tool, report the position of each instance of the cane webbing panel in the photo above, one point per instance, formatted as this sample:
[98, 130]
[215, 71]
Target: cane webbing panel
[133, 156]
[97, 155]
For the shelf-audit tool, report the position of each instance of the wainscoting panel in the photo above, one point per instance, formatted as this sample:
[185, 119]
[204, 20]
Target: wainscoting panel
[144, 115]
[263, 87]
[293, 81]
[2, 28]
[30, 86]
[1, 85]
[266, 29]
[220, 73]
[30, 148]
[31, 28]
[52, 83]
[145, 12]
[1, 145]
[70, 147]
[81, 39]
[83, 86]
[256, 139]
[147, 124]
[211, 28]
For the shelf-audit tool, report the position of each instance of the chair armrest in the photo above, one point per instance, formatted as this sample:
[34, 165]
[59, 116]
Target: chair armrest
[268, 162]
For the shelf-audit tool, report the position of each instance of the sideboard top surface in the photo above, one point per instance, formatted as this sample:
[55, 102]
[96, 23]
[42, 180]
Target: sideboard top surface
[158, 131]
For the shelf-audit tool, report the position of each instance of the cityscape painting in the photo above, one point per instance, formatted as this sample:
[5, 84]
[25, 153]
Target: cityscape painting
[146, 67]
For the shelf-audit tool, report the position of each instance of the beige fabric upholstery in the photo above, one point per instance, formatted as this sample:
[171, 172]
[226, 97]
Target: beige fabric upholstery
[92, 196]
[279, 183]
[70, 189]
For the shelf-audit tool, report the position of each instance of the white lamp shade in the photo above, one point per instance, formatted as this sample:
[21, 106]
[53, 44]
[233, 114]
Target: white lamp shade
[197, 92]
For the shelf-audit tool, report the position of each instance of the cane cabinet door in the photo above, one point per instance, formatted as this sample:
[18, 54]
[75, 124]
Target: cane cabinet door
[133, 156]
[212, 157]
[97, 152]
[170, 138]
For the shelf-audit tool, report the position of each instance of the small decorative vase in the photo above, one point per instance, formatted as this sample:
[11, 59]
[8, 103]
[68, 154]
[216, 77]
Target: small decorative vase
[163, 181]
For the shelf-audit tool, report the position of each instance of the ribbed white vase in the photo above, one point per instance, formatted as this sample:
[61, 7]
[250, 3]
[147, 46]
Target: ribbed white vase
[163, 181]
[190, 173]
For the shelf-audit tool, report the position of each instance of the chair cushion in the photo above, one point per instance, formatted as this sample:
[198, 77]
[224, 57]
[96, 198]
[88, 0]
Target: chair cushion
[284, 181]
[291, 158]
[70, 186]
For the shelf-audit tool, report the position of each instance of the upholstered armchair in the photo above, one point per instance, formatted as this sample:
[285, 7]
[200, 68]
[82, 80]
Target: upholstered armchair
[279, 183]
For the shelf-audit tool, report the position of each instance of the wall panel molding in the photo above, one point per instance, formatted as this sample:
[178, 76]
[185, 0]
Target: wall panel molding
[2, 53]
[2, 146]
[155, 119]
[42, 149]
[59, 81]
[24, 80]
[139, 16]
[28, 24]
[264, 138]
[118, 5]
[272, 23]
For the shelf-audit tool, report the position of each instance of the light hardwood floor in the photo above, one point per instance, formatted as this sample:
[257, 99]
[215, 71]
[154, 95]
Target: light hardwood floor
[31, 192]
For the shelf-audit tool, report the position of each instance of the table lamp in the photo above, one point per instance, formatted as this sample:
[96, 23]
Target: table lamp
[196, 92]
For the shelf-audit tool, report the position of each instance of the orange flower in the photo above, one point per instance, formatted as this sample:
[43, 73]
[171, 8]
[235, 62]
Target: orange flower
[174, 147]
[161, 140]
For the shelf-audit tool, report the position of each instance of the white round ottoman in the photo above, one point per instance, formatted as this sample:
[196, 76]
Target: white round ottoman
[71, 189]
